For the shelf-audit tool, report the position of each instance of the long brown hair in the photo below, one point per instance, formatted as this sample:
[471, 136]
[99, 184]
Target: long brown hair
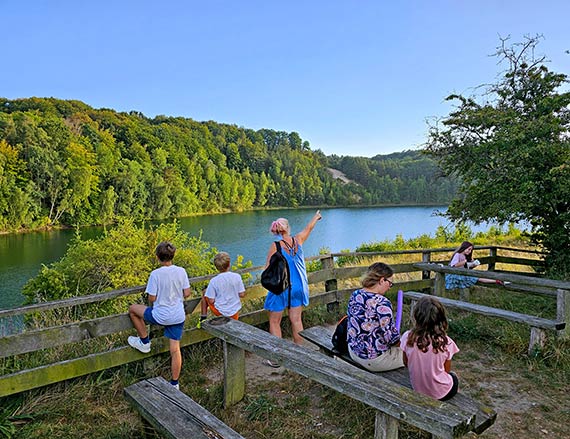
[465, 245]
[430, 325]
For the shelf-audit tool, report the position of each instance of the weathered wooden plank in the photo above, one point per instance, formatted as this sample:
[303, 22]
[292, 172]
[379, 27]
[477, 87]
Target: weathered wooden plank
[537, 322]
[31, 341]
[518, 279]
[519, 261]
[484, 418]
[74, 301]
[436, 417]
[52, 373]
[63, 370]
[174, 414]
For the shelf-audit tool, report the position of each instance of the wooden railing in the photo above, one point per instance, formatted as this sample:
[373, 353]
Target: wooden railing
[330, 274]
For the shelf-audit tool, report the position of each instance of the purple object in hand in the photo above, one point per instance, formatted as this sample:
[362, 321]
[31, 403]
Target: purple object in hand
[400, 305]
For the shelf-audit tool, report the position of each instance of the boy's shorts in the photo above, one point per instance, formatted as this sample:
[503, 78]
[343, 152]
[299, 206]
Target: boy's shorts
[218, 313]
[174, 332]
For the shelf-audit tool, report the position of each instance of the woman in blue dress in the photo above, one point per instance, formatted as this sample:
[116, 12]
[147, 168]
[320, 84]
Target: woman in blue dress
[292, 248]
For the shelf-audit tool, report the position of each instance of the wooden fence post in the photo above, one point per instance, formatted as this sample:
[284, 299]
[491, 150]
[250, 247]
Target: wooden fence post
[563, 311]
[330, 284]
[234, 374]
[493, 255]
[385, 427]
[426, 258]
[439, 284]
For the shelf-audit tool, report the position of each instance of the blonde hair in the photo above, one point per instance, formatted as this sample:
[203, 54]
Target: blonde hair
[279, 226]
[222, 261]
[375, 272]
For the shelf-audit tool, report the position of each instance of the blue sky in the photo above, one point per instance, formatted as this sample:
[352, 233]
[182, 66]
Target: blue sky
[351, 77]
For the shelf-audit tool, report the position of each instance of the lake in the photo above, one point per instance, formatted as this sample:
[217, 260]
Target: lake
[22, 255]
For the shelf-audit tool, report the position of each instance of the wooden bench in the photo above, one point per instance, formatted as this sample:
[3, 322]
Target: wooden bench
[537, 324]
[173, 414]
[393, 402]
[484, 416]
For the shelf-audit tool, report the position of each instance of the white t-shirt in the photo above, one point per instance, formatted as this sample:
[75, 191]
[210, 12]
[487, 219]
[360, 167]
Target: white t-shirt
[167, 284]
[225, 289]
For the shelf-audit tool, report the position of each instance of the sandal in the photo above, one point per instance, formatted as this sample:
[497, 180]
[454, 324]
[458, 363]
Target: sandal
[272, 364]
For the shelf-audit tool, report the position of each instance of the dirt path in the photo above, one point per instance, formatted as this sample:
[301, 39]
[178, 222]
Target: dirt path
[525, 410]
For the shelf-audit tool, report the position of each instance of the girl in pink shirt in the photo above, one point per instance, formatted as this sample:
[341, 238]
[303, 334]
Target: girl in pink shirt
[428, 351]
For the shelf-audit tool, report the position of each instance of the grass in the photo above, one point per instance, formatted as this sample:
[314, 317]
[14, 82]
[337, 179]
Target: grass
[493, 366]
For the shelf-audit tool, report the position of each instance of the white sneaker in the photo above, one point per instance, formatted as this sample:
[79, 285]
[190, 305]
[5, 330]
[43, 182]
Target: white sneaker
[176, 386]
[136, 343]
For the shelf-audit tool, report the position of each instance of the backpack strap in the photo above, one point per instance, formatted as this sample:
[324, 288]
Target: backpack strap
[278, 248]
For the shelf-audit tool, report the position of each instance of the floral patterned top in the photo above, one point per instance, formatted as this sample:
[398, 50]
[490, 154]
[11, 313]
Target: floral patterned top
[371, 327]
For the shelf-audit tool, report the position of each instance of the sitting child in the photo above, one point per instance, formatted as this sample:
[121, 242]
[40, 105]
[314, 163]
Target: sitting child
[428, 351]
[224, 292]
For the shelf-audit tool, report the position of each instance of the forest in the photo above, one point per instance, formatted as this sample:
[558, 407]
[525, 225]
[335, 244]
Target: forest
[64, 163]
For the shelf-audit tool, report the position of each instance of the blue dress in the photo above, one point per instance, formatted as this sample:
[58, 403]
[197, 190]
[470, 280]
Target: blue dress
[299, 284]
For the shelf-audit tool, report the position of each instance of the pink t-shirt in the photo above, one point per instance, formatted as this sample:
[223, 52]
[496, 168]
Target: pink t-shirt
[427, 372]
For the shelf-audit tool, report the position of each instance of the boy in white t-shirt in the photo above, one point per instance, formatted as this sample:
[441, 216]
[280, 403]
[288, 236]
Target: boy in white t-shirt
[167, 288]
[224, 292]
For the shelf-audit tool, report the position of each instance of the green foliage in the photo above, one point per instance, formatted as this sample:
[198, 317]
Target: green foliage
[512, 152]
[122, 257]
[64, 163]
[259, 408]
[408, 177]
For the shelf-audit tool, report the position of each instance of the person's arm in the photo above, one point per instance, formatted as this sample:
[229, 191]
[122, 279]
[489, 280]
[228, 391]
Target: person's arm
[272, 249]
[186, 292]
[446, 365]
[242, 294]
[302, 236]
[151, 298]
[405, 358]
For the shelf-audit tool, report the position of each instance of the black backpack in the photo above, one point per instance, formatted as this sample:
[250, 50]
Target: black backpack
[276, 277]
[339, 338]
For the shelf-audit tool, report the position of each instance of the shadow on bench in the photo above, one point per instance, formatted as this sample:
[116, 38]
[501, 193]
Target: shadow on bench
[174, 414]
[484, 416]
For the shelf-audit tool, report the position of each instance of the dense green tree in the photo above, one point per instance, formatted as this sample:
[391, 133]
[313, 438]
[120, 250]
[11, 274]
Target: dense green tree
[65, 163]
[512, 151]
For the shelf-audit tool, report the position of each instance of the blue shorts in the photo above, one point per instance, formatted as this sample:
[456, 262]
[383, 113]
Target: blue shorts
[174, 332]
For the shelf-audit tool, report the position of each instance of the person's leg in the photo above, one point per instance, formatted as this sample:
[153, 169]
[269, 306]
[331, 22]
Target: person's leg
[296, 323]
[454, 388]
[136, 313]
[203, 306]
[275, 323]
[393, 358]
[175, 359]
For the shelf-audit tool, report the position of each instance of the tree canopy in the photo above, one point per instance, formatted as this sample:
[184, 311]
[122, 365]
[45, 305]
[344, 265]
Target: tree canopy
[510, 148]
[65, 163]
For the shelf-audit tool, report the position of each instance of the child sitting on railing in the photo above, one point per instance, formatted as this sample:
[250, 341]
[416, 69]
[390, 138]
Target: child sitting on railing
[463, 258]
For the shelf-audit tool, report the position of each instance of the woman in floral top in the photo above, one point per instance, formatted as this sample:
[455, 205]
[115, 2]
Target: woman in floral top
[373, 339]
